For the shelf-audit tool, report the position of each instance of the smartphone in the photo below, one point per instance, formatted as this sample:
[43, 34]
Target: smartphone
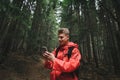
[44, 48]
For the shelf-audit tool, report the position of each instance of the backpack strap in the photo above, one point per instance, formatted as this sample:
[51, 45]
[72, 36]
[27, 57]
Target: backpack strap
[56, 52]
[68, 53]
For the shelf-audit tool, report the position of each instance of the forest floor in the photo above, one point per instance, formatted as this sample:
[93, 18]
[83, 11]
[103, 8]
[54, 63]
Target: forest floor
[19, 67]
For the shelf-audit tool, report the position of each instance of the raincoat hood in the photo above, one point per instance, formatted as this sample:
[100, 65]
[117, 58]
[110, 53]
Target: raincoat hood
[69, 44]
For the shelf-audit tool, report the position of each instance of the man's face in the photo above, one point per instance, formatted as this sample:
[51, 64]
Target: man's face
[63, 39]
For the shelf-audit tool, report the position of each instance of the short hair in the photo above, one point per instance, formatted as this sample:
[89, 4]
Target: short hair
[63, 30]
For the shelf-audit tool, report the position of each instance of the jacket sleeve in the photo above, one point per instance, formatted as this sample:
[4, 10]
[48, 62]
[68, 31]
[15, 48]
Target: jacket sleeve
[68, 66]
[48, 64]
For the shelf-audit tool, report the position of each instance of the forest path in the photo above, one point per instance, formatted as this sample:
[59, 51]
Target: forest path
[18, 67]
[23, 68]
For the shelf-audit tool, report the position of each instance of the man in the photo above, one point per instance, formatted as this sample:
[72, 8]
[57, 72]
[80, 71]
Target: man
[61, 67]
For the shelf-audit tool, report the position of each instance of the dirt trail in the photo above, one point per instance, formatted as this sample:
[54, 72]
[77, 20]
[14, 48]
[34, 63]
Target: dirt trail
[23, 68]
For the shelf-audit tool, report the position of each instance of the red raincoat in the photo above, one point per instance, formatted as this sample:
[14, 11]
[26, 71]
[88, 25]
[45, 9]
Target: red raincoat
[62, 68]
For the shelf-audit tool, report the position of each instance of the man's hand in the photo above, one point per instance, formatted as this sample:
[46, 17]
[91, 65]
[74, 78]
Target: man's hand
[49, 56]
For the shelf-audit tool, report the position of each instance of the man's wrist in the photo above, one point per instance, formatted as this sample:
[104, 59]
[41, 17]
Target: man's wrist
[53, 59]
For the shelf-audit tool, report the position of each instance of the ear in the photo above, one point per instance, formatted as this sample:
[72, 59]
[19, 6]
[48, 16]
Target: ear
[68, 36]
